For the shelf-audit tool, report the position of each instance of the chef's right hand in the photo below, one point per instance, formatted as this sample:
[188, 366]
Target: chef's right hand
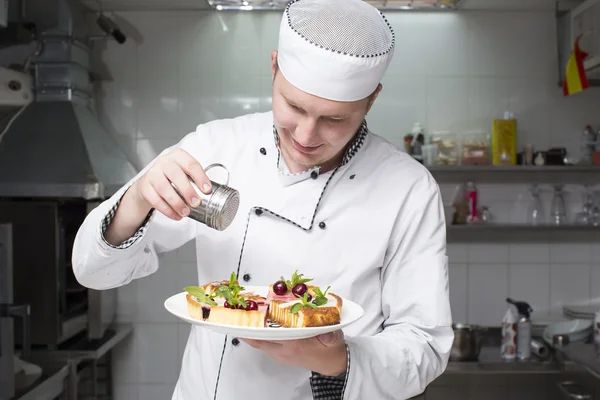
[154, 190]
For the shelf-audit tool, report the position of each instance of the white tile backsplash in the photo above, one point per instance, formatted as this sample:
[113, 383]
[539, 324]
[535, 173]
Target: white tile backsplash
[538, 253]
[447, 108]
[595, 283]
[569, 284]
[183, 334]
[457, 276]
[571, 253]
[596, 253]
[154, 289]
[451, 71]
[488, 253]
[126, 360]
[487, 288]
[156, 391]
[531, 283]
[128, 391]
[457, 252]
[157, 351]
[127, 299]
[158, 110]
[187, 253]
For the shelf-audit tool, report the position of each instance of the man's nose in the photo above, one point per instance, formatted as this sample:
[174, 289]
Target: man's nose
[306, 131]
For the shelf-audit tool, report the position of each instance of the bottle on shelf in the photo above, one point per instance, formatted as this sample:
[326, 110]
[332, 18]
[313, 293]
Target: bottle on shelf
[524, 311]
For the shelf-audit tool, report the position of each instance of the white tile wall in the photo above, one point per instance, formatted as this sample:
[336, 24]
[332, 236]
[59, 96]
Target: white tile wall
[450, 71]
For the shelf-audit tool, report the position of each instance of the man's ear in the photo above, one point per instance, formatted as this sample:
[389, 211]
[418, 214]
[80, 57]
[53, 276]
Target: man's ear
[373, 96]
[274, 66]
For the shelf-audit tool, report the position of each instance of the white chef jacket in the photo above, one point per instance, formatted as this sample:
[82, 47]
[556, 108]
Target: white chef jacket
[373, 229]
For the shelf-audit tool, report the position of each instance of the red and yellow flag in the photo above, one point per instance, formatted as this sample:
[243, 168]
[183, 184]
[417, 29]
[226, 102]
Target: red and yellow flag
[575, 77]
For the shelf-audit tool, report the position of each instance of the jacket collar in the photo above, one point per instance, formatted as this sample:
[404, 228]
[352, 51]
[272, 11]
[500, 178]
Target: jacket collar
[287, 178]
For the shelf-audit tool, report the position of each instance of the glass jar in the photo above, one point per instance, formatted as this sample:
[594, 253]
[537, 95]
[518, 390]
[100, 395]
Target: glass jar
[447, 148]
[476, 148]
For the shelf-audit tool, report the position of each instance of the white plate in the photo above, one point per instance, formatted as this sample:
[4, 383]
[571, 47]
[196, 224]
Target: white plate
[177, 305]
[577, 330]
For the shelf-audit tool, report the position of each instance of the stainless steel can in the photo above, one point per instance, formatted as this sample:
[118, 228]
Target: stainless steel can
[218, 208]
[524, 338]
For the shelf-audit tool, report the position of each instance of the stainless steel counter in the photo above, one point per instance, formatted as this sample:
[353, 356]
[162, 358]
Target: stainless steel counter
[490, 362]
[47, 386]
[88, 350]
[82, 362]
[584, 354]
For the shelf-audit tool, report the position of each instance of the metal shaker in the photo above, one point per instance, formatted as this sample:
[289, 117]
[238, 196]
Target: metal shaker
[218, 208]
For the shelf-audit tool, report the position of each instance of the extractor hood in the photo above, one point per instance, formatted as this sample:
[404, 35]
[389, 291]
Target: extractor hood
[253, 5]
[380, 4]
[55, 146]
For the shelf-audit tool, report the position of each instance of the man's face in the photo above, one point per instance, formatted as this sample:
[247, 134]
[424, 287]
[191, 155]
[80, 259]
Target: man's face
[312, 130]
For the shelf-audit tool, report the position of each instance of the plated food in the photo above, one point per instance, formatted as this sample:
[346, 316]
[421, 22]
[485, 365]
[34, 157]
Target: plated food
[290, 303]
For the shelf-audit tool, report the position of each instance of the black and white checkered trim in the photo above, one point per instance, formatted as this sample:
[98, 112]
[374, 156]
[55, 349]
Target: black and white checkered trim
[330, 387]
[136, 236]
[391, 46]
[359, 139]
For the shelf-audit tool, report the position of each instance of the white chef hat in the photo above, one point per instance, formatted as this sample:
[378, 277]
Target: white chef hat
[335, 49]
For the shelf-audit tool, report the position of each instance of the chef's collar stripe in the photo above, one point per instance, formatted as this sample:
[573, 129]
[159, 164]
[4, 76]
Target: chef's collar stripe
[352, 150]
[357, 143]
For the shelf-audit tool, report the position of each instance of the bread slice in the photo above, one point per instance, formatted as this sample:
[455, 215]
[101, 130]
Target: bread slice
[280, 310]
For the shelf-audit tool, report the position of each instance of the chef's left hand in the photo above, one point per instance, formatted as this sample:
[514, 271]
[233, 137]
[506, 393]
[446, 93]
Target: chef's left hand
[324, 354]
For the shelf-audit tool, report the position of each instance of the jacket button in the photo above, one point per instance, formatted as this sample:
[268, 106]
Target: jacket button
[352, 176]
[246, 277]
[263, 151]
[322, 225]
[258, 211]
[314, 174]
[235, 341]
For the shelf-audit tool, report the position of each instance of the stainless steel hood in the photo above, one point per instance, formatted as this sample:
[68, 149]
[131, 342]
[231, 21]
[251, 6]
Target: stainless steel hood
[57, 146]
[59, 149]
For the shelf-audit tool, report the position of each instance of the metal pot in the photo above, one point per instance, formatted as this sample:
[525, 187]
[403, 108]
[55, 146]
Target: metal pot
[467, 342]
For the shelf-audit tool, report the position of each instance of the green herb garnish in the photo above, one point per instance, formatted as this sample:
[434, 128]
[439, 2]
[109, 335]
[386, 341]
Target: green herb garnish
[296, 279]
[320, 298]
[304, 303]
[201, 295]
[231, 292]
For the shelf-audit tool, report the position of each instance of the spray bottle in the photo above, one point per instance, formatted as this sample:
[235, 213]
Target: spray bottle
[508, 349]
[523, 328]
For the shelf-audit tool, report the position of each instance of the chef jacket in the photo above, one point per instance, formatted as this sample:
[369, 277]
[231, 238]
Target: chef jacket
[373, 229]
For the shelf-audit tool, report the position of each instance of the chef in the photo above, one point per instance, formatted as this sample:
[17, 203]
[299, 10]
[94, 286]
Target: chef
[320, 194]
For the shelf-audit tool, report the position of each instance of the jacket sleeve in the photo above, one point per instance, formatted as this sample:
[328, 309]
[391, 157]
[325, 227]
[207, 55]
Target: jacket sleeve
[100, 265]
[414, 345]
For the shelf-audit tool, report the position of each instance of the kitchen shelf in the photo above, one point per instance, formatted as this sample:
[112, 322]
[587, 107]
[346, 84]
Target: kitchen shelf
[549, 174]
[515, 233]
